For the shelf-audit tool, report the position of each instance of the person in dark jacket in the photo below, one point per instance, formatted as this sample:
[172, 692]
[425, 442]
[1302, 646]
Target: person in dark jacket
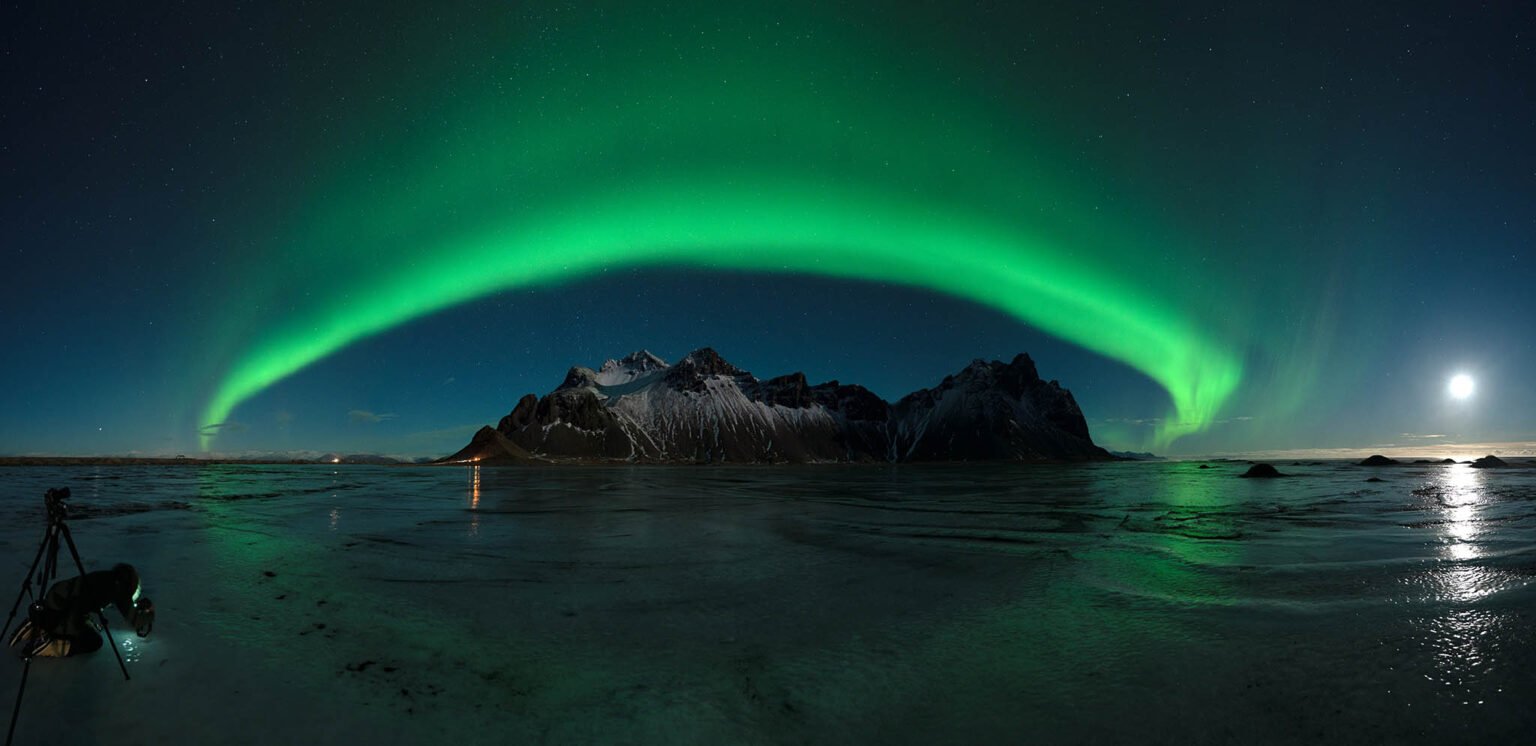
[63, 622]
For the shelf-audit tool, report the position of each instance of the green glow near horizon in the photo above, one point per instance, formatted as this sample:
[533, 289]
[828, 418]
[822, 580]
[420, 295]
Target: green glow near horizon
[766, 157]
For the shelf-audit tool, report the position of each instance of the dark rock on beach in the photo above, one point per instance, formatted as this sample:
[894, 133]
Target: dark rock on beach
[1261, 471]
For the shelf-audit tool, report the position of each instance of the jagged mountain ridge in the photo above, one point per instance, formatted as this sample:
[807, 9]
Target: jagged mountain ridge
[704, 409]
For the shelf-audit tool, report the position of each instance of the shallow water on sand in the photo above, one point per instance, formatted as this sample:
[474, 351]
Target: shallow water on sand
[1135, 602]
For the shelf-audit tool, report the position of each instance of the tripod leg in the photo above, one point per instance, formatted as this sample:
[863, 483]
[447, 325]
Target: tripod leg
[68, 539]
[50, 539]
[16, 711]
[26, 583]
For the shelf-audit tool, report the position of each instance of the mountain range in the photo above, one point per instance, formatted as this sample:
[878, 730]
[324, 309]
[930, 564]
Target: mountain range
[703, 409]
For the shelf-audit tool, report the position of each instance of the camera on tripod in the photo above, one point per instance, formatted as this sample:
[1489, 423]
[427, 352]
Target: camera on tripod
[54, 499]
[61, 613]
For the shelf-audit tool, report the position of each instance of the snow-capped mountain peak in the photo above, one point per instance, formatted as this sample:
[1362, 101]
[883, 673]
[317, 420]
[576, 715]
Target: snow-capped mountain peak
[703, 408]
[631, 367]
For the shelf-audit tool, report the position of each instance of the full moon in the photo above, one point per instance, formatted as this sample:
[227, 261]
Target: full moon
[1461, 386]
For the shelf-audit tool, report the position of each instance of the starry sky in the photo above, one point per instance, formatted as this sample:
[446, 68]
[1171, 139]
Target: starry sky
[240, 228]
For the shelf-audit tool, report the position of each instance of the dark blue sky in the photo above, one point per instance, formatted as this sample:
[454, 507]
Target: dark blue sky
[1342, 198]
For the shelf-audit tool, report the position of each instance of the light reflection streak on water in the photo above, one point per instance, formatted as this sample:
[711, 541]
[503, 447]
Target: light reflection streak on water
[335, 517]
[1461, 634]
[1460, 493]
[474, 500]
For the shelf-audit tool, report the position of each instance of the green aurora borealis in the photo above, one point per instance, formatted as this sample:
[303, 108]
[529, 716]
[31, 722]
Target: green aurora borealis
[1227, 228]
[754, 147]
[778, 226]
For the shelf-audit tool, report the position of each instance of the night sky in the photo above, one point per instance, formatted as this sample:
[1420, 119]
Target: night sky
[278, 227]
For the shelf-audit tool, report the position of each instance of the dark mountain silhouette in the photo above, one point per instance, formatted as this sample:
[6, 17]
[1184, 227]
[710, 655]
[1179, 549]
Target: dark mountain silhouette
[704, 409]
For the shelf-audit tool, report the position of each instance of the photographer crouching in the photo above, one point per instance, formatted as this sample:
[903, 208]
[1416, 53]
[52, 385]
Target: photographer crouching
[61, 624]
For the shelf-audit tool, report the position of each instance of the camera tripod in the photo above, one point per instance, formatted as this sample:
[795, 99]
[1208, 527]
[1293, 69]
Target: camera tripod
[48, 558]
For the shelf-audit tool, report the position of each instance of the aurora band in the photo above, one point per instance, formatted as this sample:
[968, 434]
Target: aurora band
[782, 224]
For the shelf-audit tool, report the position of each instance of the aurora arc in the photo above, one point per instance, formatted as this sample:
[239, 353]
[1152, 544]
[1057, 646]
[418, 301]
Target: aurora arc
[781, 227]
[762, 166]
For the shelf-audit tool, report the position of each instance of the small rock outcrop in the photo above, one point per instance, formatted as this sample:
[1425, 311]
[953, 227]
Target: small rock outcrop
[1261, 471]
[1490, 462]
[1379, 460]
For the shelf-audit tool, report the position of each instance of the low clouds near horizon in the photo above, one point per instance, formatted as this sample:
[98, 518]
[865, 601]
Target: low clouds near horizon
[365, 417]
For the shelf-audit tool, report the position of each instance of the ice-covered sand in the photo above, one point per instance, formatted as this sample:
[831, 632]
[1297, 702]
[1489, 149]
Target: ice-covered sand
[1139, 603]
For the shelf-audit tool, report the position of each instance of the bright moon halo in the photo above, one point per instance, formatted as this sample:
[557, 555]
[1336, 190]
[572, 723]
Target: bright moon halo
[1461, 386]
